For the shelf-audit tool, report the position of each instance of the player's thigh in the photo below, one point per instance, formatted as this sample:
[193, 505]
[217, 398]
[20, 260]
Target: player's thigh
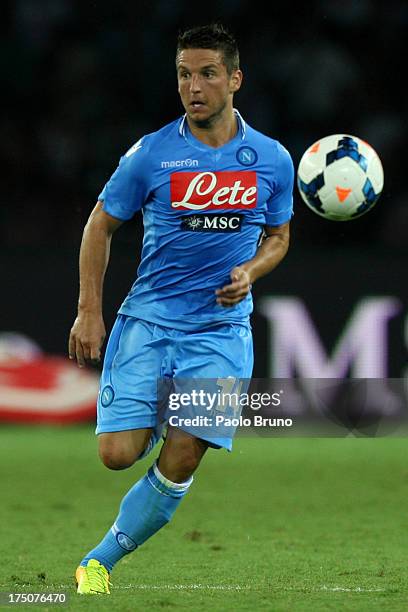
[217, 364]
[120, 449]
[128, 390]
[223, 351]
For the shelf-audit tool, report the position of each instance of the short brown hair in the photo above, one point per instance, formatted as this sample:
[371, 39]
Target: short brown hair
[214, 36]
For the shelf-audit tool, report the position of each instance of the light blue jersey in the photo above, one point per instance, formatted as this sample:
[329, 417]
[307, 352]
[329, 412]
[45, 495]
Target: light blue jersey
[203, 212]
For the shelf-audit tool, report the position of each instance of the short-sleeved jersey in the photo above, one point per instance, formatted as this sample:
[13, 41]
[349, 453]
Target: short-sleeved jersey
[203, 211]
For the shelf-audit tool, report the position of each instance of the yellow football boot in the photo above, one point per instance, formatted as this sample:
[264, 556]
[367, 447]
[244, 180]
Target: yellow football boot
[92, 579]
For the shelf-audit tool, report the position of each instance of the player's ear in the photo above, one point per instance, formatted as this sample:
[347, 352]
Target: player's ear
[235, 81]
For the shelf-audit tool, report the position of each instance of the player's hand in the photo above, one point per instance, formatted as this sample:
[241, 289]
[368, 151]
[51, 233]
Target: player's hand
[86, 338]
[238, 289]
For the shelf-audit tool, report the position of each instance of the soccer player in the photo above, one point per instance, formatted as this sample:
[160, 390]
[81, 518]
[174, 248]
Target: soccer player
[209, 187]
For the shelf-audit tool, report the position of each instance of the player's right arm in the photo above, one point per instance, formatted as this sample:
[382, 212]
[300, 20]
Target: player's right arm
[122, 196]
[88, 331]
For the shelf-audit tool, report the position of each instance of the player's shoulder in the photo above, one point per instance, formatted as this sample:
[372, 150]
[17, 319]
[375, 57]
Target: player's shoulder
[140, 156]
[264, 142]
[159, 137]
[273, 158]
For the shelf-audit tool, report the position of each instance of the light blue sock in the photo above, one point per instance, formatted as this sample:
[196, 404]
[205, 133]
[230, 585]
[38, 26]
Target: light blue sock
[147, 507]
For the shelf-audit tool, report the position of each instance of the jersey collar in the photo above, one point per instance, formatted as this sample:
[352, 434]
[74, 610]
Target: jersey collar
[241, 123]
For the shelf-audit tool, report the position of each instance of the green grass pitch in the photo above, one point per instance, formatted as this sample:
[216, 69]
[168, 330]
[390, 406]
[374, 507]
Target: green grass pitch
[279, 524]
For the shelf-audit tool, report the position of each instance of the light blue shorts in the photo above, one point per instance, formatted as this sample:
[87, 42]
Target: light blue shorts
[140, 354]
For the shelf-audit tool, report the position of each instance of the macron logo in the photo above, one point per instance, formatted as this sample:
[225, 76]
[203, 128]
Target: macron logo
[180, 163]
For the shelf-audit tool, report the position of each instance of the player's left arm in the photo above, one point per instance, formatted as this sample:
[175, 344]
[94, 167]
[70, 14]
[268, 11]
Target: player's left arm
[275, 244]
[272, 250]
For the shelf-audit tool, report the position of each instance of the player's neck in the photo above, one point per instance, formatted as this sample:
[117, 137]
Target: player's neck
[216, 134]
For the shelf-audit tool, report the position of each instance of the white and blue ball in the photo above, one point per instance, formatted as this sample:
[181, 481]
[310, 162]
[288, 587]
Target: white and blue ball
[340, 177]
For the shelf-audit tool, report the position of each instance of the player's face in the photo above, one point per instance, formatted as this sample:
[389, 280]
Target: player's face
[206, 89]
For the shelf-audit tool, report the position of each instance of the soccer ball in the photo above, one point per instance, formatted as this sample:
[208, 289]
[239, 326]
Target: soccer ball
[340, 177]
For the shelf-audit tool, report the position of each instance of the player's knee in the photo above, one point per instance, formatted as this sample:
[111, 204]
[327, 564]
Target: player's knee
[116, 460]
[120, 450]
[115, 456]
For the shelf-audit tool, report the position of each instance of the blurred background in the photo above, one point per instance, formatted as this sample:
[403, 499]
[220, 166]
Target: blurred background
[82, 81]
